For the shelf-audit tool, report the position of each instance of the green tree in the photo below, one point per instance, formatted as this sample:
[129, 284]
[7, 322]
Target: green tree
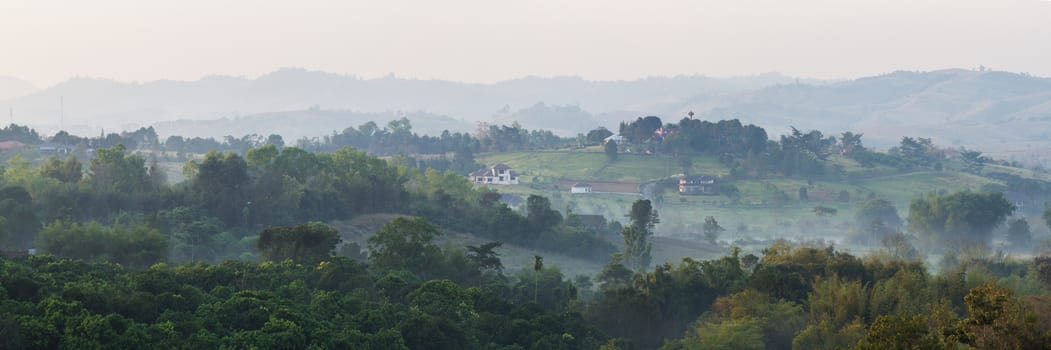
[538, 265]
[21, 224]
[1019, 235]
[596, 136]
[899, 332]
[611, 150]
[712, 230]
[221, 180]
[405, 244]
[636, 248]
[803, 196]
[685, 162]
[998, 320]
[540, 214]
[1047, 215]
[114, 171]
[874, 220]
[68, 171]
[137, 246]
[958, 218]
[308, 243]
[485, 258]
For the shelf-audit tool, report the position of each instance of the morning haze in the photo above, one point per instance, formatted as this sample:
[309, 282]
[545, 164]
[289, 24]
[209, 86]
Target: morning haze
[529, 174]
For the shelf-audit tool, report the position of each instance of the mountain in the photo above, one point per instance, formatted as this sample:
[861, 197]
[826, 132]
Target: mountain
[11, 87]
[294, 125]
[1002, 113]
[93, 103]
[1005, 114]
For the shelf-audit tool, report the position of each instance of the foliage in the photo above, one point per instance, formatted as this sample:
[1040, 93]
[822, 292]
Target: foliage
[136, 246]
[308, 243]
[636, 248]
[712, 230]
[958, 218]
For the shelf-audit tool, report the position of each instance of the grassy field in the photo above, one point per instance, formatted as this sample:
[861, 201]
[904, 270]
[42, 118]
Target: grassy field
[767, 208]
[589, 164]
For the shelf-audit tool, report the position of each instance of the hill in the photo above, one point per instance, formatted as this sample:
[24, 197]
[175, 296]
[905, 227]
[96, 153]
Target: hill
[765, 209]
[105, 103]
[1004, 114]
[11, 87]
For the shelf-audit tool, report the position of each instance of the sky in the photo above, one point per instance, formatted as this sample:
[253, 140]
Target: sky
[47, 41]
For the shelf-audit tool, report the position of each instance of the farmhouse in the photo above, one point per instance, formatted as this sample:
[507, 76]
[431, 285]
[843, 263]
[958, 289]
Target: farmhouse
[499, 174]
[697, 184]
[580, 187]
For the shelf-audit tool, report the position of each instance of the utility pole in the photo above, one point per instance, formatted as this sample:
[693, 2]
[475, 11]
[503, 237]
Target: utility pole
[61, 111]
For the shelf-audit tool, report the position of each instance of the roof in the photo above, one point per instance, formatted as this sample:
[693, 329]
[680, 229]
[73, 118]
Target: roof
[698, 178]
[480, 172]
[501, 166]
[581, 184]
[11, 145]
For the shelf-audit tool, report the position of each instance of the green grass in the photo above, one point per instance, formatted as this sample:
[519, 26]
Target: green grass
[547, 166]
[757, 214]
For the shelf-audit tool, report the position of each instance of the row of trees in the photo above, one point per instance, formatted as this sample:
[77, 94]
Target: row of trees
[749, 152]
[226, 197]
[413, 294]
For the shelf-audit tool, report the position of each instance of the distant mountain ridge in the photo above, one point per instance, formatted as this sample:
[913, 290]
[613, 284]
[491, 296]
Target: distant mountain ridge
[988, 110]
[11, 87]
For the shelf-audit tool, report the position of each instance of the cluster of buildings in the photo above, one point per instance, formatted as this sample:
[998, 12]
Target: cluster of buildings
[502, 174]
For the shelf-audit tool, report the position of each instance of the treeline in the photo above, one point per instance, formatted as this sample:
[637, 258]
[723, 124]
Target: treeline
[226, 198]
[414, 294]
[411, 294]
[749, 152]
[397, 137]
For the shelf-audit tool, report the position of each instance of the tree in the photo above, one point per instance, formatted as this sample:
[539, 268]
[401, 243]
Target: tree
[803, 196]
[636, 248]
[712, 229]
[405, 244]
[21, 224]
[68, 171]
[973, 160]
[998, 320]
[113, 171]
[308, 243]
[485, 258]
[850, 143]
[596, 136]
[538, 265]
[902, 331]
[611, 150]
[875, 219]
[1047, 215]
[686, 163]
[960, 217]
[1019, 234]
[540, 214]
[137, 246]
[221, 180]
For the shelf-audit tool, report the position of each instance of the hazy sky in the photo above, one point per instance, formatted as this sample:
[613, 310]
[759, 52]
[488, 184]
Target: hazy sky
[47, 41]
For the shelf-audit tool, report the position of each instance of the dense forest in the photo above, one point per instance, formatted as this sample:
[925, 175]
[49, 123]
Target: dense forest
[239, 254]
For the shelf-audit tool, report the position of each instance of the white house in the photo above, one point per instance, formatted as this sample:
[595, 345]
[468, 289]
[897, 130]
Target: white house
[615, 138]
[580, 187]
[499, 174]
